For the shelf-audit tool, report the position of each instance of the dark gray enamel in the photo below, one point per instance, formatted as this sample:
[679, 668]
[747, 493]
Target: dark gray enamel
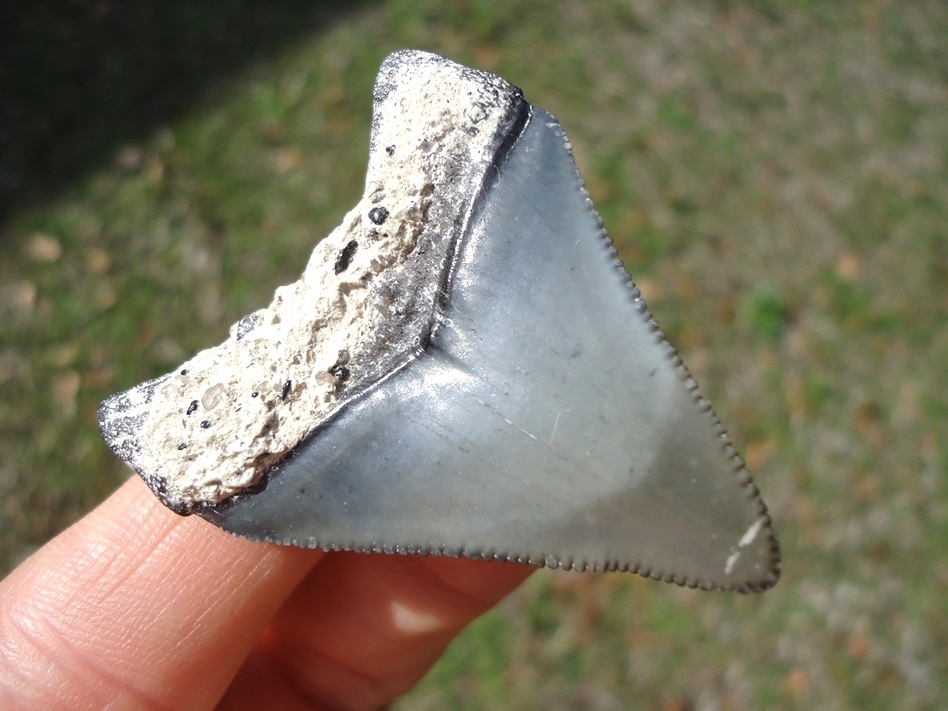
[547, 420]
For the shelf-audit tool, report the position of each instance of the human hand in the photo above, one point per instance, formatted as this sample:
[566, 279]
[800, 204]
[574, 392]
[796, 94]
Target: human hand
[135, 607]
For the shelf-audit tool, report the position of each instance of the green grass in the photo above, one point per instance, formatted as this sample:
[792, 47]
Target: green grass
[775, 176]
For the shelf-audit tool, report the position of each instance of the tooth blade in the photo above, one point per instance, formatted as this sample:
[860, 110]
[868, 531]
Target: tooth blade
[547, 420]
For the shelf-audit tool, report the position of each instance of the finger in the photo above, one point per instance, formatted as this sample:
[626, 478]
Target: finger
[363, 629]
[136, 607]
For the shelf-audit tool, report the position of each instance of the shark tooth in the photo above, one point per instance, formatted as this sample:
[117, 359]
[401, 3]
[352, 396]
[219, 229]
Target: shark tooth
[464, 368]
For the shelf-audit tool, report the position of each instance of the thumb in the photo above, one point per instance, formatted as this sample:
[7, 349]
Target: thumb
[135, 607]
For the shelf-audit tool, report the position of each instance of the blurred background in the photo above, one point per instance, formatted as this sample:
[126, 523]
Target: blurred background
[774, 175]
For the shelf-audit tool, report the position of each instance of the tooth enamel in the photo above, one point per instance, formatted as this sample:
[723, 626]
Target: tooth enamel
[731, 560]
[751, 533]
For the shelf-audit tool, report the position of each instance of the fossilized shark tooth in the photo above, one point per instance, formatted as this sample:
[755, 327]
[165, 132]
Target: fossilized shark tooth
[464, 368]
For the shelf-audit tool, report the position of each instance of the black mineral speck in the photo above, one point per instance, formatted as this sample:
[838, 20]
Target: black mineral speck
[340, 372]
[345, 257]
[182, 446]
[247, 324]
[378, 214]
[192, 407]
[205, 424]
[390, 149]
[286, 389]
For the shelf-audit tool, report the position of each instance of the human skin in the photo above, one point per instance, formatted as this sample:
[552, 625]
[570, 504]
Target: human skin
[135, 607]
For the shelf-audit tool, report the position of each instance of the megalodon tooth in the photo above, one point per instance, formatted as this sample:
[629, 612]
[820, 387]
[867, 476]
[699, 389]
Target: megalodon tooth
[464, 368]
